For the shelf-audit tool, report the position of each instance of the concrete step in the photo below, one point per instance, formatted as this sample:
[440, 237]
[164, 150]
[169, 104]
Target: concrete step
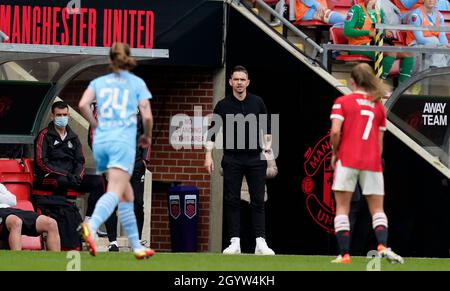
[300, 46]
[278, 28]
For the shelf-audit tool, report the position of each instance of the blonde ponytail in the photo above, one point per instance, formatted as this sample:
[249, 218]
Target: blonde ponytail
[120, 57]
[364, 77]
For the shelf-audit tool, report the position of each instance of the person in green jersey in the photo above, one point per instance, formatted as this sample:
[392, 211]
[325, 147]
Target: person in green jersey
[359, 29]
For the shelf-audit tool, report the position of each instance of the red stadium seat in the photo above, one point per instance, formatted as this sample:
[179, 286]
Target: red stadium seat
[70, 193]
[337, 37]
[10, 165]
[16, 177]
[340, 3]
[21, 191]
[401, 38]
[446, 15]
[271, 2]
[29, 242]
[340, 6]
[309, 23]
[24, 205]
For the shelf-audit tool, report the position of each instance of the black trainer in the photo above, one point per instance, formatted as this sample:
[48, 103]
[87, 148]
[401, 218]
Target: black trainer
[113, 248]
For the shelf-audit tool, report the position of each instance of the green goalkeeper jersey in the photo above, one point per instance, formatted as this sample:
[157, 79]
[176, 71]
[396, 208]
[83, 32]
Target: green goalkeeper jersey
[355, 19]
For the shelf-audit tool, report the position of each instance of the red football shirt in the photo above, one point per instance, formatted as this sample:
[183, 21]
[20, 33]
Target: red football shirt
[362, 121]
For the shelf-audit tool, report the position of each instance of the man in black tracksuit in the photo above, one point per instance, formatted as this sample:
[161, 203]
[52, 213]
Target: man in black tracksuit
[59, 162]
[137, 179]
[242, 157]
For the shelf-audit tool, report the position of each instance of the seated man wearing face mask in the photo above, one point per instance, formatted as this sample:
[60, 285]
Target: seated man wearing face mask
[59, 160]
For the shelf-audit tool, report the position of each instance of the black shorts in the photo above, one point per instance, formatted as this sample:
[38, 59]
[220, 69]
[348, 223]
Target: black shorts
[28, 222]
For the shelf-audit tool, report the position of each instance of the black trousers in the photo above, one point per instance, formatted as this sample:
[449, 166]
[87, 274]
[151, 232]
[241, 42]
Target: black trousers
[235, 166]
[137, 182]
[95, 185]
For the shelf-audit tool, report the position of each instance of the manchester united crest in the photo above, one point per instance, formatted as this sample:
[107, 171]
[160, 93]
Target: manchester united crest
[316, 184]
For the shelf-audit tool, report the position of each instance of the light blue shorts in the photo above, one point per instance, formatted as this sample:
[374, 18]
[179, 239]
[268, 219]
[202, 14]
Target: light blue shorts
[309, 15]
[114, 155]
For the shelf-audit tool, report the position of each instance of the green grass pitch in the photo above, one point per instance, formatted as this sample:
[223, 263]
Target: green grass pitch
[25, 260]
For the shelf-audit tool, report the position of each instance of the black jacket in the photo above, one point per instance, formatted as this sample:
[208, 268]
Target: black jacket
[60, 157]
[231, 107]
[141, 153]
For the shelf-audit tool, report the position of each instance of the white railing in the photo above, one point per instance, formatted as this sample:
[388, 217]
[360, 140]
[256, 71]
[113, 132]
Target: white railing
[317, 48]
[327, 48]
[3, 36]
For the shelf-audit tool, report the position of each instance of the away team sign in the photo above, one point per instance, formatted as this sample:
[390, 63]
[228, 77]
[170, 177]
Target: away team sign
[316, 184]
[77, 23]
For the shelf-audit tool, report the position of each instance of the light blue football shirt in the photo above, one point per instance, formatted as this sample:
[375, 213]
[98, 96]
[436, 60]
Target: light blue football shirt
[118, 96]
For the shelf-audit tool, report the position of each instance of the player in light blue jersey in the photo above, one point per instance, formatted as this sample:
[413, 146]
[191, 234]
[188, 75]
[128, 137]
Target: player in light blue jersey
[118, 96]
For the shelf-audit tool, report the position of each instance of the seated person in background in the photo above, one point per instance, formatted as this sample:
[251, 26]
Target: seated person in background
[428, 15]
[16, 222]
[406, 7]
[316, 10]
[391, 14]
[443, 5]
[359, 30]
[59, 160]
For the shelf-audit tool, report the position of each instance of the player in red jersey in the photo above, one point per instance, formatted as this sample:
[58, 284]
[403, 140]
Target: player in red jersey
[357, 130]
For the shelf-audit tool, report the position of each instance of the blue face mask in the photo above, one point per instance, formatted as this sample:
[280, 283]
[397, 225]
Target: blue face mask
[61, 121]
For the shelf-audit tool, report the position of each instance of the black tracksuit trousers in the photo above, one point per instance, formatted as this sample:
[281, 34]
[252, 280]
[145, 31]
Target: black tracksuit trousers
[235, 166]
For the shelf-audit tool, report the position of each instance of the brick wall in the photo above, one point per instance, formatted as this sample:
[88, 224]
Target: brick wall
[175, 90]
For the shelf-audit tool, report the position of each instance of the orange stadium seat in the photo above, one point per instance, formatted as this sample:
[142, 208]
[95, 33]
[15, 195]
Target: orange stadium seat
[29, 242]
